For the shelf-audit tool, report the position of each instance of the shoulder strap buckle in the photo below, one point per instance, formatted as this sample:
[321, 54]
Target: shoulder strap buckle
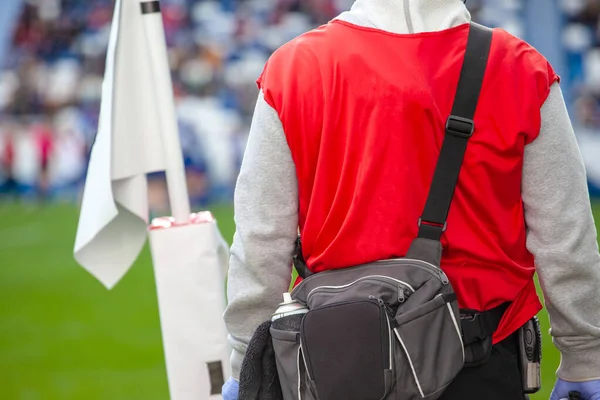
[443, 227]
[460, 127]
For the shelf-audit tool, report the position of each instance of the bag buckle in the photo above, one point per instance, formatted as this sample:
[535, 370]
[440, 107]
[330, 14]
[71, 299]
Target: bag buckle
[460, 127]
[444, 227]
[473, 327]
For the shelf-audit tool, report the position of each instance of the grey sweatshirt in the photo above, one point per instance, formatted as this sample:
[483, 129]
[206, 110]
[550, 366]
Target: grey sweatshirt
[561, 232]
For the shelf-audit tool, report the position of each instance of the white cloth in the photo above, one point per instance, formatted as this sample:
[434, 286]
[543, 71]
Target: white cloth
[114, 214]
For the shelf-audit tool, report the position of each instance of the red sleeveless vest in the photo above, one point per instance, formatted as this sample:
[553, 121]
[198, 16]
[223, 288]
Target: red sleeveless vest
[364, 111]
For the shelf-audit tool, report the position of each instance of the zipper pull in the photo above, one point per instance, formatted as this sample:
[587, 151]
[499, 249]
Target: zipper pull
[401, 295]
[383, 305]
[377, 299]
[443, 277]
[387, 309]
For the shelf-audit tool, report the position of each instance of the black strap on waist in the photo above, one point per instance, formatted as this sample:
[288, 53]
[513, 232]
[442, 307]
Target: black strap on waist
[478, 326]
[459, 129]
[298, 259]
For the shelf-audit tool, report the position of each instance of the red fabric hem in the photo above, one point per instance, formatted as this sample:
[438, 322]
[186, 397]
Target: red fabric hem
[517, 320]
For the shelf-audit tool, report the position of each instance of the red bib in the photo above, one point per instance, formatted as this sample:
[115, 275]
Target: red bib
[364, 112]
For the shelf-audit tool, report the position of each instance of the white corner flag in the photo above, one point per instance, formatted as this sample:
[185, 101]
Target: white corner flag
[138, 134]
[113, 224]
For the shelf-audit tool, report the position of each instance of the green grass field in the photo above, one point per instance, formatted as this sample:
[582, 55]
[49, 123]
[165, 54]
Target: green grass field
[63, 336]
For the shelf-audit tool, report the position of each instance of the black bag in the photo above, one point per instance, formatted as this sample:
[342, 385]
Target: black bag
[390, 329]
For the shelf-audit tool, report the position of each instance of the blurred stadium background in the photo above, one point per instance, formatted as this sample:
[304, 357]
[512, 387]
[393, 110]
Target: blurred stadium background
[62, 335]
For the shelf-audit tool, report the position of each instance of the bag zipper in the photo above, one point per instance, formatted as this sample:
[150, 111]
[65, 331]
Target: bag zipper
[378, 278]
[441, 275]
[388, 314]
[424, 265]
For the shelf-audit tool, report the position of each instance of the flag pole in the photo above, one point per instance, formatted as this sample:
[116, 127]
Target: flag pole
[161, 72]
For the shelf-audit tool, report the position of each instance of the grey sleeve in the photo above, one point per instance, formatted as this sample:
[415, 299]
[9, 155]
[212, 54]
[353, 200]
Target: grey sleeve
[563, 239]
[266, 217]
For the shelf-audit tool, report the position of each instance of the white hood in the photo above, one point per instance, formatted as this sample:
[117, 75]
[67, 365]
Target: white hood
[408, 16]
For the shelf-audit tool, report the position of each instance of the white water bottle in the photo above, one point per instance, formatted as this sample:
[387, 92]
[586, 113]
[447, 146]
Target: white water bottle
[289, 315]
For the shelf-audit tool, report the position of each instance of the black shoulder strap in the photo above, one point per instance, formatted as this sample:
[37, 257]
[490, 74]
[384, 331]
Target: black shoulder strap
[459, 128]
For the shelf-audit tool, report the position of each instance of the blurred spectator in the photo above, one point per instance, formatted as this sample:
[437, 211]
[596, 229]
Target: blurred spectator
[53, 82]
[51, 86]
[581, 39]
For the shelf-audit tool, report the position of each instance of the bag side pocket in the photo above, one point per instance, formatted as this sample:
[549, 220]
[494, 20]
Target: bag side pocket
[432, 350]
[288, 358]
[347, 351]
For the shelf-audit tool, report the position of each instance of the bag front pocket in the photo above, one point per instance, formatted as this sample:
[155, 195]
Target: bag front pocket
[432, 348]
[347, 349]
[288, 357]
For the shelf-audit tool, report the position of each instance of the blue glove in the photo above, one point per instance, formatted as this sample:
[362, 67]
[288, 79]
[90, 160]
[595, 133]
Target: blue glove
[230, 389]
[588, 390]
